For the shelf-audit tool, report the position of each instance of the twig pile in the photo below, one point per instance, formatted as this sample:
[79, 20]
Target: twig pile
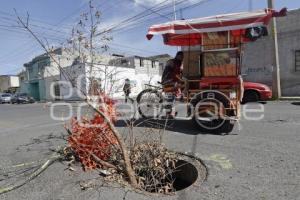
[154, 167]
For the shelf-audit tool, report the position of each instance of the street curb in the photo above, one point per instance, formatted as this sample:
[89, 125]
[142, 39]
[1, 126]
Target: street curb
[289, 98]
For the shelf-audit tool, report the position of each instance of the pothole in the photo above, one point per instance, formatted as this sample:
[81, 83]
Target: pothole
[185, 175]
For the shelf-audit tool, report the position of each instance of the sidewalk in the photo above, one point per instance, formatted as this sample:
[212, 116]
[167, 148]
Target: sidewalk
[290, 98]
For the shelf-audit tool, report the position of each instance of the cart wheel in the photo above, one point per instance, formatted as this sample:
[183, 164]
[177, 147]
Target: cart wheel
[150, 103]
[209, 107]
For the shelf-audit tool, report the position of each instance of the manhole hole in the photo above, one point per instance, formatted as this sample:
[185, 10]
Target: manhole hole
[185, 175]
[188, 172]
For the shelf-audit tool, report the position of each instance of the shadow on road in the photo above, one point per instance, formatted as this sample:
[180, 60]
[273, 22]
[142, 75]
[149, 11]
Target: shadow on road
[188, 127]
[296, 103]
[260, 102]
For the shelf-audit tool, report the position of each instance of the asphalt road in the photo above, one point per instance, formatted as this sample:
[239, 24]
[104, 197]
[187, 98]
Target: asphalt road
[258, 160]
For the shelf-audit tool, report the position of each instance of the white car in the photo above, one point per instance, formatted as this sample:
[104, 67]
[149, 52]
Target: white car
[5, 98]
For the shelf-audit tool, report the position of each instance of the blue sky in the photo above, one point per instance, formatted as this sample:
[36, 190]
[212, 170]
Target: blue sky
[54, 19]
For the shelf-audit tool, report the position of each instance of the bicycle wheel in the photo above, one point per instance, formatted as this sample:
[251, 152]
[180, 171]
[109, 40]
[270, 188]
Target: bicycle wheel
[150, 103]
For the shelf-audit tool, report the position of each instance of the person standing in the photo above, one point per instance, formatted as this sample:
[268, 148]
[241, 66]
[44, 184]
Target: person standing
[127, 90]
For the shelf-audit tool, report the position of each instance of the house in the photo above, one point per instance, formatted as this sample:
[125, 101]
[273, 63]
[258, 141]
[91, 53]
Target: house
[162, 59]
[112, 74]
[41, 71]
[23, 79]
[258, 57]
[9, 83]
[43, 79]
[142, 65]
[109, 78]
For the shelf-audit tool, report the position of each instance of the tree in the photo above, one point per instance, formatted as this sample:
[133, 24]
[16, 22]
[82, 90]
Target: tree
[86, 47]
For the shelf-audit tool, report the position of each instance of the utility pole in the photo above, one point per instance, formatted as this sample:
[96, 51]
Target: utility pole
[174, 8]
[276, 87]
[250, 5]
[175, 16]
[181, 14]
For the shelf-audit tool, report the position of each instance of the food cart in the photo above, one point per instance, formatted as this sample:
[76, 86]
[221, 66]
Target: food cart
[213, 50]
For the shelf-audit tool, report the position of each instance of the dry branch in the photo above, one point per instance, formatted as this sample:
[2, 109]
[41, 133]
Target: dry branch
[102, 162]
[32, 176]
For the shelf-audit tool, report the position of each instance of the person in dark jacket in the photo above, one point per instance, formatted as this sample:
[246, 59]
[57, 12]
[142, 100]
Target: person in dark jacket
[127, 90]
[171, 80]
[173, 69]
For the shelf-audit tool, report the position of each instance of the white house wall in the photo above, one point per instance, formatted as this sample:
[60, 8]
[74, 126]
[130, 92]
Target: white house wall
[53, 69]
[77, 75]
[7, 82]
[115, 77]
[4, 83]
[14, 81]
[112, 79]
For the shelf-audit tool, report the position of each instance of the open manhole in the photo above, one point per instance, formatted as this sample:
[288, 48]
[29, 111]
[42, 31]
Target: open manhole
[188, 172]
[185, 175]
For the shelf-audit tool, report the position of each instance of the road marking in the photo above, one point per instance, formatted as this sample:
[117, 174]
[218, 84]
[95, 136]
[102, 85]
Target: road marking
[221, 159]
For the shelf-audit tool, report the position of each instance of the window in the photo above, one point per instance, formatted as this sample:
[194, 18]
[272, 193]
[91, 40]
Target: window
[124, 62]
[153, 64]
[6, 95]
[56, 91]
[30, 73]
[30, 69]
[297, 61]
[141, 62]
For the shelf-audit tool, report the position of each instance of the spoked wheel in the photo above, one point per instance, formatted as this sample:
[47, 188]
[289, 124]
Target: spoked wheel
[210, 114]
[150, 103]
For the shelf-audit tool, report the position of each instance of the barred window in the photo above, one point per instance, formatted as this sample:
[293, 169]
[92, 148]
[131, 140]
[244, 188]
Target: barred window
[153, 64]
[297, 61]
[141, 62]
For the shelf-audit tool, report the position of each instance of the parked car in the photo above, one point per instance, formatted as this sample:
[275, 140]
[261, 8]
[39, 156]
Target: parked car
[5, 98]
[254, 92]
[21, 98]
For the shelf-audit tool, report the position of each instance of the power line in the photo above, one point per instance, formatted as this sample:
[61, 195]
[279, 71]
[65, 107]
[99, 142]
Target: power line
[22, 32]
[131, 21]
[18, 30]
[153, 11]
[6, 15]
[34, 25]
[133, 48]
[167, 14]
[141, 20]
[139, 15]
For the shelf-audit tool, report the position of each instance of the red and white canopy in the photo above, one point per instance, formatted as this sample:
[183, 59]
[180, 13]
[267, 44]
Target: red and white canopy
[227, 22]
